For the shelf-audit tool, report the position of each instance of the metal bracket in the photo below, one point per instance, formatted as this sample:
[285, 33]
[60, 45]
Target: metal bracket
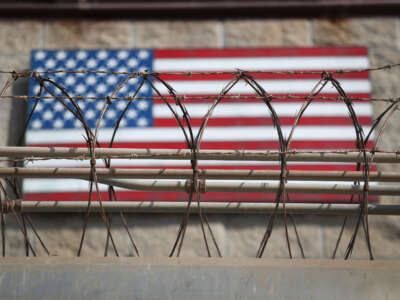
[201, 184]
[8, 206]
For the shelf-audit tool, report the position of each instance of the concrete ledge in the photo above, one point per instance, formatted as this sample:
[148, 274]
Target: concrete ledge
[199, 278]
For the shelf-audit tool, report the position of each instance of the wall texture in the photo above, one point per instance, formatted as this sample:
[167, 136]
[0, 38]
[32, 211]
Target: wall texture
[237, 235]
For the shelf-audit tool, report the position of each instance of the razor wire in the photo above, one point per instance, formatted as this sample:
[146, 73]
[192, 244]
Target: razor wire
[196, 178]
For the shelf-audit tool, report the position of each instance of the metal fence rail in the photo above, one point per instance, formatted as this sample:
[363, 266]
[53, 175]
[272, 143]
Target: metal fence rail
[207, 207]
[84, 173]
[32, 153]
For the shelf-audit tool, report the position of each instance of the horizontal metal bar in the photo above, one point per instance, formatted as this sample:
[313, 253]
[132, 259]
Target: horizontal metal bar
[250, 187]
[198, 9]
[184, 154]
[84, 173]
[207, 207]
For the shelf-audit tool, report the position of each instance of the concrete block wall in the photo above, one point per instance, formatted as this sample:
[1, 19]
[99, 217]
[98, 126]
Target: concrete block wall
[238, 235]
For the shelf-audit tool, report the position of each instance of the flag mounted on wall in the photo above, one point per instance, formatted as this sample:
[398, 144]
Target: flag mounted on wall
[239, 124]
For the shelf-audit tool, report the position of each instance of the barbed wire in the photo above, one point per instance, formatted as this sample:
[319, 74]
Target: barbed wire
[193, 140]
[196, 98]
[392, 156]
[32, 73]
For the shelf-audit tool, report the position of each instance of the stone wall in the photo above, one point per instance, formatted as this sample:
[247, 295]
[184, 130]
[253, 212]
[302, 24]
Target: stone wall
[237, 235]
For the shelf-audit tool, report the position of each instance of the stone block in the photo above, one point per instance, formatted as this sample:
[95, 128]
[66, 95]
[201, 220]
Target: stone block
[244, 234]
[61, 233]
[13, 110]
[371, 32]
[14, 238]
[384, 82]
[266, 33]
[14, 63]
[88, 35]
[385, 85]
[154, 235]
[19, 37]
[4, 129]
[398, 32]
[175, 34]
[384, 236]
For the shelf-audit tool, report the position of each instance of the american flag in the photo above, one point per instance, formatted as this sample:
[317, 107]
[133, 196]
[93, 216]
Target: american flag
[239, 124]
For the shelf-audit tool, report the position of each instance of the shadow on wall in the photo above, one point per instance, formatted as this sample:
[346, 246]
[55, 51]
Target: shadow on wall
[18, 113]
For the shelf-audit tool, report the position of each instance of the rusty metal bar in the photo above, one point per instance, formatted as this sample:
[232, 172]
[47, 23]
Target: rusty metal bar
[208, 207]
[184, 154]
[84, 173]
[197, 9]
[252, 187]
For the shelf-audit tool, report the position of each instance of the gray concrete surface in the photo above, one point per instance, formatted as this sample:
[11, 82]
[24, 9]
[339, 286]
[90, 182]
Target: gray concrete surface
[163, 278]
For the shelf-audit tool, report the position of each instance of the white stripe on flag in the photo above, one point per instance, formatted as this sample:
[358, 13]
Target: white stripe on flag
[270, 86]
[211, 134]
[157, 163]
[258, 109]
[260, 63]
[33, 185]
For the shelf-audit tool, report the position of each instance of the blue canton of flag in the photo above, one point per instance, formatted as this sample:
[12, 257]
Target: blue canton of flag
[50, 113]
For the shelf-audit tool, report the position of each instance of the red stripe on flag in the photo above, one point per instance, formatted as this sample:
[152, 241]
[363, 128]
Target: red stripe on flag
[274, 76]
[210, 98]
[259, 52]
[139, 196]
[219, 122]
